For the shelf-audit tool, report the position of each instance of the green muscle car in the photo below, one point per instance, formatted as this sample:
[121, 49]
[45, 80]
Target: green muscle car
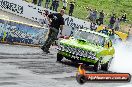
[89, 47]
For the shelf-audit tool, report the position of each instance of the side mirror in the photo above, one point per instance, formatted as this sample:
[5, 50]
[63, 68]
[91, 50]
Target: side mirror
[110, 43]
[107, 45]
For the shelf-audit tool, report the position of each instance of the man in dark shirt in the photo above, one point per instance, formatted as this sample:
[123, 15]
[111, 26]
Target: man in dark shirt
[56, 21]
[71, 8]
[123, 18]
[112, 21]
[101, 17]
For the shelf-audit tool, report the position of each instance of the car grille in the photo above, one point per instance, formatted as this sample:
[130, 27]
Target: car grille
[78, 51]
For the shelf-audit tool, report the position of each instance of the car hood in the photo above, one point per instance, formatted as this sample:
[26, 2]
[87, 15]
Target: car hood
[87, 46]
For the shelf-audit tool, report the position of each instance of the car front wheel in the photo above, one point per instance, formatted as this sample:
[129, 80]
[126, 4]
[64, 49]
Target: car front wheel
[106, 66]
[59, 57]
[97, 66]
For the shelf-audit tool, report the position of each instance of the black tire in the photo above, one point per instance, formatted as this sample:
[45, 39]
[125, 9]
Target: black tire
[81, 79]
[97, 66]
[59, 57]
[106, 66]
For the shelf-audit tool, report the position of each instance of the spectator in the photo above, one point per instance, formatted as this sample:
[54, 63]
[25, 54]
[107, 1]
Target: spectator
[105, 31]
[56, 22]
[117, 24]
[94, 15]
[89, 17]
[123, 18]
[71, 8]
[64, 4]
[93, 26]
[112, 21]
[56, 5]
[52, 7]
[100, 20]
[39, 2]
[47, 4]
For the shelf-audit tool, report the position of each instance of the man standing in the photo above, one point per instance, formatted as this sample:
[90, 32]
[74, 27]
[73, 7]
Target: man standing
[71, 8]
[64, 4]
[117, 24]
[94, 15]
[112, 21]
[56, 21]
[52, 7]
[101, 17]
[56, 4]
[47, 4]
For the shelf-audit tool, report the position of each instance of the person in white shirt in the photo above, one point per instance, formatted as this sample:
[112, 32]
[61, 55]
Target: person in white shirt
[64, 4]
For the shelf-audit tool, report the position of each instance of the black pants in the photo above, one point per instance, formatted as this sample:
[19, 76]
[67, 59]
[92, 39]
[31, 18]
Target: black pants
[99, 21]
[70, 12]
[64, 8]
[52, 36]
[52, 7]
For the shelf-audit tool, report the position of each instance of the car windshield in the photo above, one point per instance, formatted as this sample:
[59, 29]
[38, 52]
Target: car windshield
[93, 38]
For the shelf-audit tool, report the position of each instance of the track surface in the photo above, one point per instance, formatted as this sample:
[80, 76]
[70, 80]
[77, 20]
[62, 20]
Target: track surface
[22, 66]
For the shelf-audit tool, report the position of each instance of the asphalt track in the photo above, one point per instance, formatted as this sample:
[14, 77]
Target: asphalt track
[22, 66]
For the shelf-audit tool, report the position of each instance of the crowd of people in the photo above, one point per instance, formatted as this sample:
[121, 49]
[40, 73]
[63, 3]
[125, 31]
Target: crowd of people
[54, 4]
[97, 18]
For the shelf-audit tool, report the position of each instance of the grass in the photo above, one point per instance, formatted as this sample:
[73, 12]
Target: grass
[119, 7]
[109, 6]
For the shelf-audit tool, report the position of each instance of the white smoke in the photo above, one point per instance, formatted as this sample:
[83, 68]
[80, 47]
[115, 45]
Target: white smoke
[123, 58]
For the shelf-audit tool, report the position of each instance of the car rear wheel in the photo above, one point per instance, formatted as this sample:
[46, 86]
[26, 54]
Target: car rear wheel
[59, 57]
[97, 66]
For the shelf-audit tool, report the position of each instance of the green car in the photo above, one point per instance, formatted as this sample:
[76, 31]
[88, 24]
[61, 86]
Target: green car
[89, 47]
